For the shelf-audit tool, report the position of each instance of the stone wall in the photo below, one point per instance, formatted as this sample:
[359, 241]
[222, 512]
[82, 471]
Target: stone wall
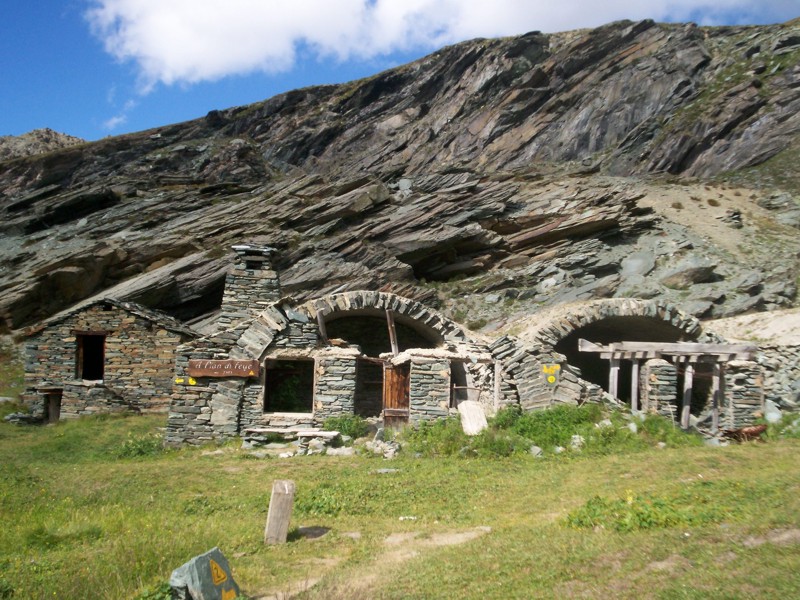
[429, 389]
[658, 387]
[744, 394]
[781, 366]
[192, 402]
[138, 364]
[335, 388]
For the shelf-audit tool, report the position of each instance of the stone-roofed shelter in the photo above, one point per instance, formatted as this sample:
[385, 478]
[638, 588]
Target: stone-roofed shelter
[279, 366]
[273, 365]
[103, 356]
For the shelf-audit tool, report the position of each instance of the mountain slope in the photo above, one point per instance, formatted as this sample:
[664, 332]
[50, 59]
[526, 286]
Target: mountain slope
[496, 165]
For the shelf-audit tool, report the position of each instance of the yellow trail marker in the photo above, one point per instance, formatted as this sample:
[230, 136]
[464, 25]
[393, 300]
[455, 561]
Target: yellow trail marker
[218, 575]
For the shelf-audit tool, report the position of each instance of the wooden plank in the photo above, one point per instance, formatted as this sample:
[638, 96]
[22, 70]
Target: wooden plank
[392, 332]
[280, 512]
[396, 399]
[613, 377]
[722, 351]
[223, 368]
[635, 386]
[688, 375]
[587, 346]
[473, 419]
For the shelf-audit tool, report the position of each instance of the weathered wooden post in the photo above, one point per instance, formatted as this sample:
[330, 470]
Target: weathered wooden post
[635, 385]
[613, 376]
[716, 399]
[280, 512]
[687, 395]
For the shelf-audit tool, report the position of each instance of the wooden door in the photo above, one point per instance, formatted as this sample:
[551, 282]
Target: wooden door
[396, 380]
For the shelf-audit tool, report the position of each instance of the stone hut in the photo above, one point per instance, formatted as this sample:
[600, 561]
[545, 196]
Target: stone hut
[104, 356]
[274, 365]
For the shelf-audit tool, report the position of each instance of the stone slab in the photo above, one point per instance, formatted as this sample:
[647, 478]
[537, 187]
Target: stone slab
[205, 577]
[473, 419]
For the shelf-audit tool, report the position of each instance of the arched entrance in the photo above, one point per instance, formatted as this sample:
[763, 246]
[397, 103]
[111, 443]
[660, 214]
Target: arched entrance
[607, 321]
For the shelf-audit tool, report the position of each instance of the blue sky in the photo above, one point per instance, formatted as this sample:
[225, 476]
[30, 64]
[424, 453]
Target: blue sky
[93, 68]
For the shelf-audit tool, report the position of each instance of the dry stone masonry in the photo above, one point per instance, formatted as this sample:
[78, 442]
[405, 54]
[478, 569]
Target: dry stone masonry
[145, 360]
[104, 357]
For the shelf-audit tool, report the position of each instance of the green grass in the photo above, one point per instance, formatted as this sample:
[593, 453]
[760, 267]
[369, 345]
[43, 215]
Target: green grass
[89, 509]
[11, 371]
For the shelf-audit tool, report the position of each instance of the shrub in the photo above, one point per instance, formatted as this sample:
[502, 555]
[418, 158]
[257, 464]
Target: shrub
[694, 505]
[351, 425]
[148, 444]
[556, 426]
[656, 428]
[439, 438]
[506, 417]
[491, 443]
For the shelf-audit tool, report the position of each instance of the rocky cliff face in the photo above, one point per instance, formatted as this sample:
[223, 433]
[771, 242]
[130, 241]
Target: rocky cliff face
[493, 176]
[35, 142]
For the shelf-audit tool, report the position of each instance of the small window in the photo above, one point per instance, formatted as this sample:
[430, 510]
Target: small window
[91, 356]
[289, 386]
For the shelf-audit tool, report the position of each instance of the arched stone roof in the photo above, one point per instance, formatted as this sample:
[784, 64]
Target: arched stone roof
[551, 326]
[267, 325]
[408, 311]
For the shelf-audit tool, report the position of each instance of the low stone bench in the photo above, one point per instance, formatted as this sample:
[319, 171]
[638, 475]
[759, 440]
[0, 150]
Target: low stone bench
[315, 433]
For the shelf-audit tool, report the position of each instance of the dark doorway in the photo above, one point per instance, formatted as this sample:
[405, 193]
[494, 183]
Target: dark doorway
[91, 356]
[53, 405]
[371, 334]
[701, 387]
[289, 386]
[369, 388]
[458, 383]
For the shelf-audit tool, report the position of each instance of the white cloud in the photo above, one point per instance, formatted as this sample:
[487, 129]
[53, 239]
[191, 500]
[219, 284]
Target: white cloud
[122, 117]
[188, 41]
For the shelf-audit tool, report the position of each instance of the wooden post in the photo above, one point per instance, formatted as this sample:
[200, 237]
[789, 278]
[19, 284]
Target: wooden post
[392, 332]
[722, 394]
[280, 512]
[688, 375]
[498, 373]
[715, 397]
[635, 386]
[613, 377]
[323, 332]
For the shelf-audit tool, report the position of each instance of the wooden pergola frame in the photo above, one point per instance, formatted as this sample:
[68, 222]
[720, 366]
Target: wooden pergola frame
[687, 354]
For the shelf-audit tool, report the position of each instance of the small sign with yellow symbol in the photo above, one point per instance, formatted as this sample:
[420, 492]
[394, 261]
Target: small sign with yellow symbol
[551, 373]
[205, 577]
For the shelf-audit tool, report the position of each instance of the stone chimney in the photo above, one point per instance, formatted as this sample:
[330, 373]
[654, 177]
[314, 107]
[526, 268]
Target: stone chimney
[250, 286]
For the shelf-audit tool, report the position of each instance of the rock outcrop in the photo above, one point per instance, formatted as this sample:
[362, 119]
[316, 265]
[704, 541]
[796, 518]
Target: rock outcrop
[513, 171]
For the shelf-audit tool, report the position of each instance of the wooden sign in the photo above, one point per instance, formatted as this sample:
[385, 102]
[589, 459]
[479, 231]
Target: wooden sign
[223, 368]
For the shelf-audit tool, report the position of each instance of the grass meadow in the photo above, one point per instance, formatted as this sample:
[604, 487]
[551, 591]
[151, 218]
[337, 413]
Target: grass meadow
[94, 508]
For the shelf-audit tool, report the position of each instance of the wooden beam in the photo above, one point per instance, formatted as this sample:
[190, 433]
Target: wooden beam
[722, 351]
[587, 346]
[635, 386]
[688, 375]
[323, 332]
[613, 377]
[392, 332]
